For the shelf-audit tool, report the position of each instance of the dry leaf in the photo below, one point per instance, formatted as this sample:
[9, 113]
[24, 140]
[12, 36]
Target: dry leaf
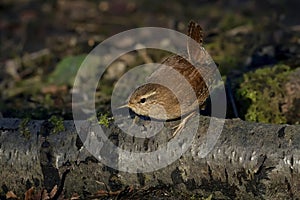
[29, 194]
[101, 192]
[45, 195]
[75, 196]
[53, 191]
[11, 194]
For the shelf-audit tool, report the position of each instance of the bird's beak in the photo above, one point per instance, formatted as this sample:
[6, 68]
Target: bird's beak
[123, 106]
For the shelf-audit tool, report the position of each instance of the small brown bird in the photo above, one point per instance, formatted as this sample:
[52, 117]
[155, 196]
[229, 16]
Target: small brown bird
[158, 101]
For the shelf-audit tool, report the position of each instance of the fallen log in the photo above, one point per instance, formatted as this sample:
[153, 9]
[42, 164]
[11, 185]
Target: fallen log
[248, 161]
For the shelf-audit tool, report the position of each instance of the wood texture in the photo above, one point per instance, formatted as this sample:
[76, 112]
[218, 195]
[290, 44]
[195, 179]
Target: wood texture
[249, 161]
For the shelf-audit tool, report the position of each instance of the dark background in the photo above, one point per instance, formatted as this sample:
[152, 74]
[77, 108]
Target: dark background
[36, 36]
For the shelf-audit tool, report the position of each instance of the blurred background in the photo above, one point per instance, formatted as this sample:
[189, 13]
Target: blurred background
[255, 44]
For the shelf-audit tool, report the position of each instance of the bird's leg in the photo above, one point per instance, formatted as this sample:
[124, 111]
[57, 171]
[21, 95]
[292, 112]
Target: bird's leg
[134, 121]
[180, 126]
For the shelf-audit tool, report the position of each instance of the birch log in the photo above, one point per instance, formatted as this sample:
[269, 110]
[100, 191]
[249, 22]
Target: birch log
[248, 161]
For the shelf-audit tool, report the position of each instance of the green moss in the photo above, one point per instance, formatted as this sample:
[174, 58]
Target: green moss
[261, 94]
[57, 123]
[23, 127]
[103, 120]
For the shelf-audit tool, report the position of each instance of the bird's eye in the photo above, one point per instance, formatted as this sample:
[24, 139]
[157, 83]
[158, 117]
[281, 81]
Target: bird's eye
[143, 100]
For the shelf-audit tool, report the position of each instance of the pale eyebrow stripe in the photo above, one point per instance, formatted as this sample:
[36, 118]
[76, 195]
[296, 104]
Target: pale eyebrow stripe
[148, 95]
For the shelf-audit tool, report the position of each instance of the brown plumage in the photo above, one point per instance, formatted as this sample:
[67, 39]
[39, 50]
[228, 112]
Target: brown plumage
[156, 100]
